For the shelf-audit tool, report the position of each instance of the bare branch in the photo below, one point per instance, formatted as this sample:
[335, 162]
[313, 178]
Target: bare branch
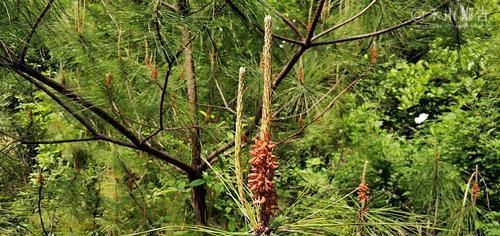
[280, 37]
[74, 113]
[317, 14]
[222, 96]
[219, 150]
[288, 67]
[33, 30]
[346, 21]
[170, 63]
[372, 34]
[99, 137]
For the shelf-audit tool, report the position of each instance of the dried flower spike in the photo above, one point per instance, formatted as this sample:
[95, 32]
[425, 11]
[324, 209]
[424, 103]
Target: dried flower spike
[475, 187]
[239, 135]
[363, 189]
[154, 73]
[264, 163]
[108, 81]
[374, 52]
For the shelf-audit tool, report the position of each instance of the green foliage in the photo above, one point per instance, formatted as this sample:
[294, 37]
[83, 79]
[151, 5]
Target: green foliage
[106, 51]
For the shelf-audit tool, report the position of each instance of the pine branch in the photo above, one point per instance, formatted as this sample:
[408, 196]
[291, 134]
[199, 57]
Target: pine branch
[242, 16]
[346, 21]
[317, 14]
[59, 101]
[33, 30]
[170, 63]
[28, 72]
[287, 21]
[76, 140]
[284, 72]
[317, 117]
[22, 68]
[372, 34]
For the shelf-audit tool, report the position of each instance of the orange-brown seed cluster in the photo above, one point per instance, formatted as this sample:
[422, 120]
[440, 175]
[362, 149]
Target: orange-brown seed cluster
[363, 192]
[260, 180]
[475, 191]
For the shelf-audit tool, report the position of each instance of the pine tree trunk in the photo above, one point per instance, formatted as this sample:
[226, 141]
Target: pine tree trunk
[198, 199]
[198, 193]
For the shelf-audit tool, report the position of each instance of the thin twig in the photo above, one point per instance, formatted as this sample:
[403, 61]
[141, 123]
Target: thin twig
[372, 34]
[170, 63]
[287, 21]
[76, 140]
[172, 7]
[222, 96]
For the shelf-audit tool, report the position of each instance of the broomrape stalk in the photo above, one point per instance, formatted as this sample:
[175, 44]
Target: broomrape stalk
[475, 188]
[263, 162]
[237, 137]
[363, 194]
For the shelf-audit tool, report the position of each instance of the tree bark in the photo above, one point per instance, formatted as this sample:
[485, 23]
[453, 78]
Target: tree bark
[198, 199]
[198, 193]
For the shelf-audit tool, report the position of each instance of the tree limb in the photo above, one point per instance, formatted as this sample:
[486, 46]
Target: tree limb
[35, 76]
[76, 140]
[33, 30]
[317, 14]
[346, 21]
[59, 101]
[372, 34]
[22, 68]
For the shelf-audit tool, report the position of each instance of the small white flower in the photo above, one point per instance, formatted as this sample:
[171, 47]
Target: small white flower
[421, 118]
[281, 46]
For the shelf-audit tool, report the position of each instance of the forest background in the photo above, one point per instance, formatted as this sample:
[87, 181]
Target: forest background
[118, 116]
